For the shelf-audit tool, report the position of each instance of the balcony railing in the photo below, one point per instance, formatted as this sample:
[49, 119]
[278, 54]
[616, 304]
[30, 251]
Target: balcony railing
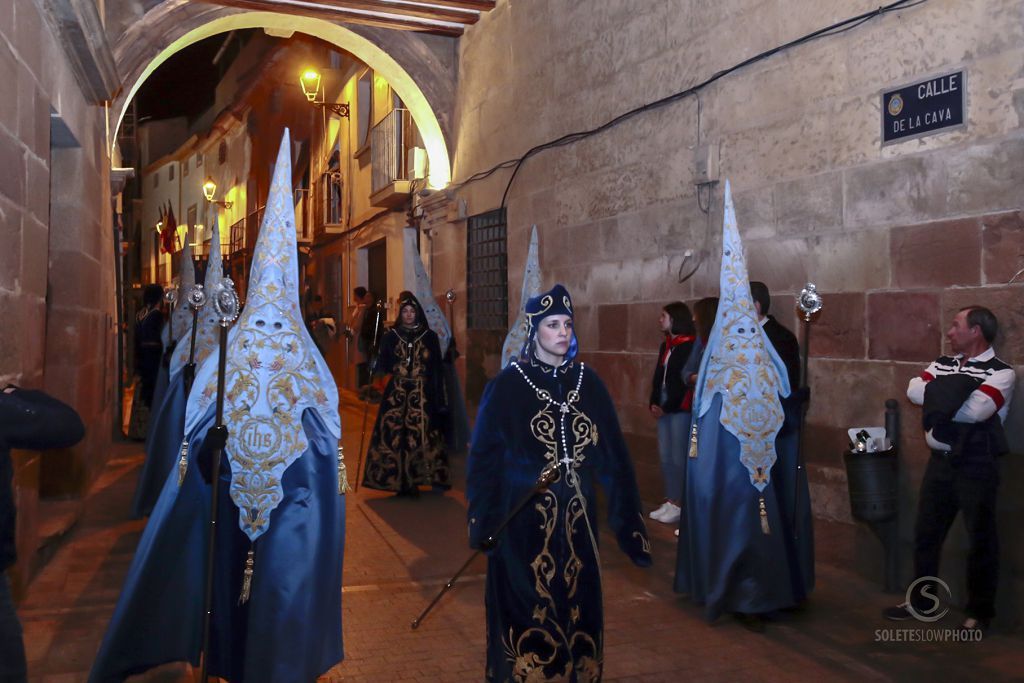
[389, 142]
[242, 239]
[327, 205]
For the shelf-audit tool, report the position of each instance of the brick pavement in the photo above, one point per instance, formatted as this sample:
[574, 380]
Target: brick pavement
[399, 552]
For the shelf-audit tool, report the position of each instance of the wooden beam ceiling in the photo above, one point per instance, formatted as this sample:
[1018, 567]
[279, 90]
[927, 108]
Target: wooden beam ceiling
[477, 5]
[443, 17]
[417, 10]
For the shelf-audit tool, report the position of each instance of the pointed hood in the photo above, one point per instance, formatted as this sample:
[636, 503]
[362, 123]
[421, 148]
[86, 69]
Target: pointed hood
[740, 364]
[274, 373]
[181, 318]
[207, 327]
[425, 297]
[520, 330]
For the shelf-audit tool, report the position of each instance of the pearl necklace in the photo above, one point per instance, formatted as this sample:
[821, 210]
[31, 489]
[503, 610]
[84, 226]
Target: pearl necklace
[563, 408]
[409, 345]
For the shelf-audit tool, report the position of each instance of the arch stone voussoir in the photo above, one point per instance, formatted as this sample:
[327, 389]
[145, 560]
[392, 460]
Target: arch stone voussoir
[420, 77]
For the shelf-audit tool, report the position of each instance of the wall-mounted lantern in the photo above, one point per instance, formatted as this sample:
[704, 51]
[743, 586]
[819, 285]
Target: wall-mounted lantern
[310, 82]
[209, 190]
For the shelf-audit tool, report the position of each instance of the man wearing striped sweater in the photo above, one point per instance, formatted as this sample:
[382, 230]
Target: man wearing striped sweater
[965, 399]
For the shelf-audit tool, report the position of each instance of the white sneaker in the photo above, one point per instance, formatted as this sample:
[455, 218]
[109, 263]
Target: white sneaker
[656, 514]
[671, 514]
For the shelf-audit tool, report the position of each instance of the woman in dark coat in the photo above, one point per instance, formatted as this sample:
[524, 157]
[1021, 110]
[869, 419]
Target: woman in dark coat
[544, 609]
[407, 447]
[670, 405]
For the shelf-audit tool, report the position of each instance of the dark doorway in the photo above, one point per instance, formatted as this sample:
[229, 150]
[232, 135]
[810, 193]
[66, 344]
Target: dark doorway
[377, 269]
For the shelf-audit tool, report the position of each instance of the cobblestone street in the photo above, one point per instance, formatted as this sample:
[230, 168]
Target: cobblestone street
[399, 552]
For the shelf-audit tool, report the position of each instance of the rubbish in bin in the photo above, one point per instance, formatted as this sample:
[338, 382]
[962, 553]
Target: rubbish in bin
[868, 439]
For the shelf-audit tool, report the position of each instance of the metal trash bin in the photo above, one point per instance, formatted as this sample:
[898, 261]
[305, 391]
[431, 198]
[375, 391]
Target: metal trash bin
[872, 480]
[873, 483]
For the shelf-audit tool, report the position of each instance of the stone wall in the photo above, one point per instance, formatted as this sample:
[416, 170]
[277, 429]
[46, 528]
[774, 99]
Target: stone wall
[56, 264]
[895, 237]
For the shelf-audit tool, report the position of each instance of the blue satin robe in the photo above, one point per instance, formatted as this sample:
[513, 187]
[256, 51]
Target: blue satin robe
[162, 382]
[543, 594]
[163, 444]
[289, 631]
[725, 561]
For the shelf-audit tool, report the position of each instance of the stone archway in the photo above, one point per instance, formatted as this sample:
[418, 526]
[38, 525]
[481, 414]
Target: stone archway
[405, 60]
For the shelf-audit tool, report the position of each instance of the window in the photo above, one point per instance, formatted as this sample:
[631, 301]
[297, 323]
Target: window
[364, 108]
[184, 168]
[330, 198]
[487, 272]
[170, 172]
[199, 160]
[222, 152]
[190, 221]
[156, 179]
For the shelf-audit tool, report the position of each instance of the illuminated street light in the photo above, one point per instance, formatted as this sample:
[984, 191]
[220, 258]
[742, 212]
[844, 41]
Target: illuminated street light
[310, 82]
[209, 190]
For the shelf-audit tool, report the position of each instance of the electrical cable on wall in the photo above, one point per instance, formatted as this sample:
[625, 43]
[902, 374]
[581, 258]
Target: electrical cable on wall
[834, 29]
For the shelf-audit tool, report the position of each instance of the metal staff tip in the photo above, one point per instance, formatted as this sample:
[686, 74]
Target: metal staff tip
[196, 297]
[225, 302]
[809, 301]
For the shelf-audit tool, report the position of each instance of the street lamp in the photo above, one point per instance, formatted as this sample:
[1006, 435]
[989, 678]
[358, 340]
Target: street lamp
[310, 82]
[209, 190]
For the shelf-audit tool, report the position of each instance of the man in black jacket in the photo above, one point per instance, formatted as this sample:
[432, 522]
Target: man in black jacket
[782, 339]
[28, 419]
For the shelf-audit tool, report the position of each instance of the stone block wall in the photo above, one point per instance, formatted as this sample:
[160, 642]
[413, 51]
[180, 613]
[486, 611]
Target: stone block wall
[895, 237]
[56, 263]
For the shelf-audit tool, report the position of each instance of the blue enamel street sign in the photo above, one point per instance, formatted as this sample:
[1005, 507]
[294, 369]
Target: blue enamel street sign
[924, 108]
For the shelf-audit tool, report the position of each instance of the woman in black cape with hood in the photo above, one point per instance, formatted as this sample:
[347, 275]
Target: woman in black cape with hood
[407, 447]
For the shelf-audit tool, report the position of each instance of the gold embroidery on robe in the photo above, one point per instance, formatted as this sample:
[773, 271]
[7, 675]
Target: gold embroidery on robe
[532, 652]
[406, 446]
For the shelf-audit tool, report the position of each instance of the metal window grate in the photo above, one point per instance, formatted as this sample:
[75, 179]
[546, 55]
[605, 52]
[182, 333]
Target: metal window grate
[487, 272]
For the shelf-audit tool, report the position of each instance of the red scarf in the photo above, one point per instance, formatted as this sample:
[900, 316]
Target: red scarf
[672, 342]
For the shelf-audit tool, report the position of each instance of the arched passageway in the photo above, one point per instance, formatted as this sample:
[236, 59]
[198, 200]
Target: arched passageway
[404, 60]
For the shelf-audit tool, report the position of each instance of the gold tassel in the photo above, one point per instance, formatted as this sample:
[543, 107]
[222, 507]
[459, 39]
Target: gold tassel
[343, 486]
[693, 442]
[246, 579]
[764, 517]
[183, 462]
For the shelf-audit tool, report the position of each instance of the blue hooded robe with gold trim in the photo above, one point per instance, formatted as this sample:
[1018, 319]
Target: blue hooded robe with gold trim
[279, 502]
[737, 551]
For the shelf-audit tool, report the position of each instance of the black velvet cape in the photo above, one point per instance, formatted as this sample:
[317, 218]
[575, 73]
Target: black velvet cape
[543, 593]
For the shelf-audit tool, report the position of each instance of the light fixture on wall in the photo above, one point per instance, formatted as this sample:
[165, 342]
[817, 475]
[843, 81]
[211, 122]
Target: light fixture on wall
[209, 190]
[310, 82]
